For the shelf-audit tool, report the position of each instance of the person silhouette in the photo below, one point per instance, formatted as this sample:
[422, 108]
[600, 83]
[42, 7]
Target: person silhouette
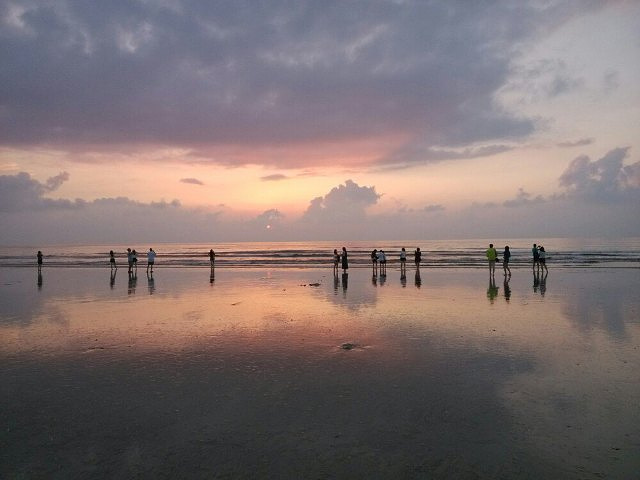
[345, 260]
[374, 261]
[492, 256]
[542, 259]
[403, 263]
[39, 260]
[151, 259]
[536, 256]
[417, 257]
[506, 255]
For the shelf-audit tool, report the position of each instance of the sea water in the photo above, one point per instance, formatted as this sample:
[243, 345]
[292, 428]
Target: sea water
[561, 252]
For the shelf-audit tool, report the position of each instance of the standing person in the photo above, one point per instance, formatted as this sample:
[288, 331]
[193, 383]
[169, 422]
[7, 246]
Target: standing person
[382, 259]
[39, 258]
[336, 261]
[212, 257]
[506, 255]
[403, 262]
[112, 260]
[374, 260]
[151, 258]
[542, 259]
[130, 259]
[492, 256]
[417, 257]
[134, 259]
[345, 260]
[536, 255]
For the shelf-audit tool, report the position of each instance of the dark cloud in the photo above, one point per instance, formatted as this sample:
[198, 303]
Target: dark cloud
[415, 153]
[200, 75]
[273, 178]
[434, 208]
[192, 181]
[605, 179]
[267, 219]
[524, 199]
[22, 193]
[577, 143]
[545, 79]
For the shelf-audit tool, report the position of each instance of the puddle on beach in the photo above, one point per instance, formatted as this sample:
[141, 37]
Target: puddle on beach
[246, 373]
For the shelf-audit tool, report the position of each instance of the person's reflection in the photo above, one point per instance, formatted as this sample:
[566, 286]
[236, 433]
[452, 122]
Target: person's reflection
[543, 284]
[212, 275]
[536, 280]
[374, 280]
[345, 282]
[336, 282]
[151, 283]
[39, 279]
[492, 291]
[418, 279]
[112, 277]
[383, 279]
[403, 279]
[507, 289]
[133, 280]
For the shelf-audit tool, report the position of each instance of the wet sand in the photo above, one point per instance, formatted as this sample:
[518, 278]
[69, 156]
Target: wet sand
[264, 373]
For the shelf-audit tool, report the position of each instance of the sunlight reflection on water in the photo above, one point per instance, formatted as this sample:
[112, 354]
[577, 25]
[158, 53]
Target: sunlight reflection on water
[487, 377]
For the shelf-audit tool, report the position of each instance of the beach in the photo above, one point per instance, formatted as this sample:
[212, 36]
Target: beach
[295, 373]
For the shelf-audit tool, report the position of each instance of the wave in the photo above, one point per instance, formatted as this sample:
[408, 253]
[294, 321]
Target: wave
[621, 253]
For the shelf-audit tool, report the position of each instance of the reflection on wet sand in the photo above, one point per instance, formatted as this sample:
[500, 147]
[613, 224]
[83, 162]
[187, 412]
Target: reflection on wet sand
[506, 288]
[253, 382]
[151, 283]
[133, 282]
[492, 290]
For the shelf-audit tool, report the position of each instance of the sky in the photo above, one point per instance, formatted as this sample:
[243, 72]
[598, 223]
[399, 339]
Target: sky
[215, 121]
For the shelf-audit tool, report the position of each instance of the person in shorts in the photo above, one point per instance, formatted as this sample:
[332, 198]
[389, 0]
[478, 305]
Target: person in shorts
[506, 255]
[151, 259]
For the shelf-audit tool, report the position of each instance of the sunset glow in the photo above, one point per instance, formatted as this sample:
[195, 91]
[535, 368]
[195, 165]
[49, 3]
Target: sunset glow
[397, 114]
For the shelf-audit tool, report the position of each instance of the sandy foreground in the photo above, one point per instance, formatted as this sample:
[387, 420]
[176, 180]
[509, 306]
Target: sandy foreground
[290, 373]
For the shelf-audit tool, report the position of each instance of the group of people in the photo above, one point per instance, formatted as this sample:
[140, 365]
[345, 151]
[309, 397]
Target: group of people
[378, 257]
[539, 259]
[132, 260]
[340, 259]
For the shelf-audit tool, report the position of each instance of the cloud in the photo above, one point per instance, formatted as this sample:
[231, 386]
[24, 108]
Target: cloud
[22, 193]
[343, 204]
[545, 79]
[523, 199]
[434, 208]
[605, 179]
[273, 178]
[210, 77]
[577, 143]
[411, 154]
[268, 219]
[192, 181]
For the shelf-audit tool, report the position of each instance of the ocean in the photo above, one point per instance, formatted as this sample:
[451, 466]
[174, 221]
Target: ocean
[469, 253]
